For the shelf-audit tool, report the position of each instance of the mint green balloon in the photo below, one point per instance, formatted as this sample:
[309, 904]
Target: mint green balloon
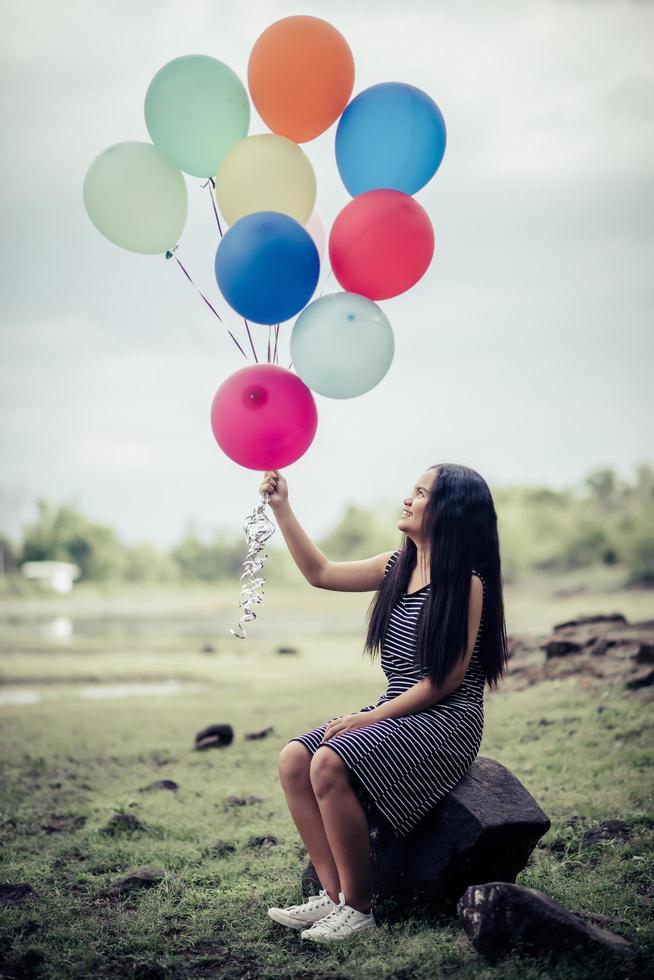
[196, 108]
[342, 345]
[136, 198]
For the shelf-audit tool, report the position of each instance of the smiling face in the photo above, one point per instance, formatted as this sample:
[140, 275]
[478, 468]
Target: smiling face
[415, 503]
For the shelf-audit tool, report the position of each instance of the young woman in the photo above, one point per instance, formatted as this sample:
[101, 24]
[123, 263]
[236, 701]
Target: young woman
[438, 620]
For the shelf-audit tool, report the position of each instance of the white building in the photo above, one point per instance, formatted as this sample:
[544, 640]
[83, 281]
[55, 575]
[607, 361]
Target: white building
[59, 575]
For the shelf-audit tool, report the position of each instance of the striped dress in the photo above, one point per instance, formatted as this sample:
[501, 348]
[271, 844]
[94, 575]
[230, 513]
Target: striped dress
[406, 765]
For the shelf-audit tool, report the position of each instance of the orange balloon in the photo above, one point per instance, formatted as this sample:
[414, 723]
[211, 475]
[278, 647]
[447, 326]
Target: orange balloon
[300, 76]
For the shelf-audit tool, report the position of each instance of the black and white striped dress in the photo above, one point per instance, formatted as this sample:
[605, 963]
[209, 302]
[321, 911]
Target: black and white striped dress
[406, 765]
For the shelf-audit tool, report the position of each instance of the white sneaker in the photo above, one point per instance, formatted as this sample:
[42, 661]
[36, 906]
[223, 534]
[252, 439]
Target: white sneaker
[341, 923]
[299, 916]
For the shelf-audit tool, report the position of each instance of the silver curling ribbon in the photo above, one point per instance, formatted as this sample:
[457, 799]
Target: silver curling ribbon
[258, 528]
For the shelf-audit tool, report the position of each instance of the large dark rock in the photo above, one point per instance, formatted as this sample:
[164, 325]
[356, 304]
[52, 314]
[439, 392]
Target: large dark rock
[498, 917]
[484, 830]
[214, 737]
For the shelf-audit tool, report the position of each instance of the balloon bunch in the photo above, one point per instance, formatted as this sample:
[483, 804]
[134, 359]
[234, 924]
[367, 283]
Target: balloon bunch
[390, 140]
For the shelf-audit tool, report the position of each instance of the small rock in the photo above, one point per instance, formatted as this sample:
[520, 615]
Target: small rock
[160, 784]
[607, 830]
[141, 878]
[645, 653]
[262, 733]
[14, 894]
[60, 823]
[122, 823]
[643, 677]
[287, 650]
[208, 648]
[243, 801]
[586, 620]
[214, 737]
[263, 842]
[30, 963]
[219, 848]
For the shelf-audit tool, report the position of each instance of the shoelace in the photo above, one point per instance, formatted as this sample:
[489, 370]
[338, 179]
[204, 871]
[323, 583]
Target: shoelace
[334, 918]
[312, 898]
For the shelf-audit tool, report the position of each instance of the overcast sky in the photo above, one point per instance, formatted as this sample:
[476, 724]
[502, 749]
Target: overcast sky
[525, 352]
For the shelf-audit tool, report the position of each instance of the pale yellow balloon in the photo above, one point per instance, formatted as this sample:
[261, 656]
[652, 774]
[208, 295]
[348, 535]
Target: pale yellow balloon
[265, 172]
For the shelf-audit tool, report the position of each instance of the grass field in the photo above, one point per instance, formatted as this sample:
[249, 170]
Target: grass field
[82, 751]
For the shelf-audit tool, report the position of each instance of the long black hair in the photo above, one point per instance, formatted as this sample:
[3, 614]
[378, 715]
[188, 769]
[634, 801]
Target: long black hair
[460, 524]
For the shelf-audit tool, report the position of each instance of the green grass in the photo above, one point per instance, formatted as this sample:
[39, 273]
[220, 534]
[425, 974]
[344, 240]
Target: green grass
[68, 758]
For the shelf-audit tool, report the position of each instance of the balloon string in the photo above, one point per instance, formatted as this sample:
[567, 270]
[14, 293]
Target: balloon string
[257, 528]
[211, 307]
[213, 205]
[269, 343]
[326, 281]
[213, 202]
[275, 357]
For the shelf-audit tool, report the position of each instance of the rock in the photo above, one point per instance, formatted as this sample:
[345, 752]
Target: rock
[262, 733]
[644, 677]
[645, 653]
[263, 842]
[160, 784]
[286, 650]
[498, 916]
[29, 963]
[122, 823]
[15, 894]
[484, 830]
[220, 848]
[243, 801]
[605, 831]
[141, 878]
[208, 648]
[214, 737]
[63, 823]
[585, 620]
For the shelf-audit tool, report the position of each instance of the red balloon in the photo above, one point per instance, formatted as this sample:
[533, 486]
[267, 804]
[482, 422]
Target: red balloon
[264, 417]
[381, 244]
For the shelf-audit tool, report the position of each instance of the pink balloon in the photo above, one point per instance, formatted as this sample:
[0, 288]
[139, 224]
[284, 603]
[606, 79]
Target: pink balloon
[264, 417]
[381, 244]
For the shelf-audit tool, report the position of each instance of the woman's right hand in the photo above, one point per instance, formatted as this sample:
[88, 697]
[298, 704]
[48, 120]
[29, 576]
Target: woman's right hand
[274, 483]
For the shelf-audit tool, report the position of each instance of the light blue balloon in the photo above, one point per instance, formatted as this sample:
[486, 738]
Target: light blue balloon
[392, 135]
[342, 345]
[196, 108]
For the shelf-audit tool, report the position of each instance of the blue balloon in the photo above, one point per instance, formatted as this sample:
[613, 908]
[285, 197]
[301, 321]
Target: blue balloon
[267, 267]
[392, 135]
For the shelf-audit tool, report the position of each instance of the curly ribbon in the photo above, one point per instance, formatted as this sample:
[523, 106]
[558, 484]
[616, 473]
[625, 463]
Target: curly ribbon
[258, 528]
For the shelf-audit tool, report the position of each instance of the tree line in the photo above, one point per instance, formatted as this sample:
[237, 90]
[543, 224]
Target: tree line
[605, 520]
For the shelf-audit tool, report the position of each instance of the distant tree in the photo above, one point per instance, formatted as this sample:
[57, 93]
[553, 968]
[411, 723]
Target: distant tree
[208, 561]
[63, 534]
[146, 563]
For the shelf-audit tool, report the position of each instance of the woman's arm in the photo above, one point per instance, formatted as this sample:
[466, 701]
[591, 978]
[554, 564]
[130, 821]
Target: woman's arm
[344, 576]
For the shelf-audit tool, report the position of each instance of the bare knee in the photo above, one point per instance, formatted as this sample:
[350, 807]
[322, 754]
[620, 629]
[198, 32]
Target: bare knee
[294, 763]
[328, 772]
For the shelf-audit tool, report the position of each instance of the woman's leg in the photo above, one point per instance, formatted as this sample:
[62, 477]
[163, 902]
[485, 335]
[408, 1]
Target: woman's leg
[294, 764]
[346, 826]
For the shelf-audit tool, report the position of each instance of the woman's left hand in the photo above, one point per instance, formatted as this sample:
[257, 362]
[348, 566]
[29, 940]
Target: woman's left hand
[358, 719]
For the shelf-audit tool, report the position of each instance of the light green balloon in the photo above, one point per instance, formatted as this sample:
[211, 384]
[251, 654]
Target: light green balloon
[136, 198]
[342, 345]
[266, 172]
[196, 107]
